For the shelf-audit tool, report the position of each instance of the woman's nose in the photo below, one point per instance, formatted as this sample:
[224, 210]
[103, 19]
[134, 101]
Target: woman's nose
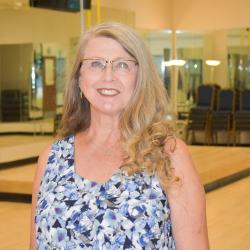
[108, 72]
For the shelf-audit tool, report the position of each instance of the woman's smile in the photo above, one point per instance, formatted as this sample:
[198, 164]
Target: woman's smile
[108, 76]
[109, 92]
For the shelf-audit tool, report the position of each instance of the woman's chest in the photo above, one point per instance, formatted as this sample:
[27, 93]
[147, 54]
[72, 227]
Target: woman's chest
[97, 167]
[118, 199]
[120, 207]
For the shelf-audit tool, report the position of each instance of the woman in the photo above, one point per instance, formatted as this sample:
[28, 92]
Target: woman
[117, 178]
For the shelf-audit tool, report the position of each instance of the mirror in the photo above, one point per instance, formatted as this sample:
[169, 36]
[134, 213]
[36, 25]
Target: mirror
[30, 71]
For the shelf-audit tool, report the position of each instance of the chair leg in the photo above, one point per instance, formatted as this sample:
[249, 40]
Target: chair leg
[186, 137]
[238, 137]
[209, 135]
[212, 137]
[229, 138]
[193, 137]
[216, 137]
[234, 137]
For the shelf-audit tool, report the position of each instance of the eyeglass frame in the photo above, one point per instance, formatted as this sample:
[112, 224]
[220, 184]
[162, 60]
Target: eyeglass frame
[109, 61]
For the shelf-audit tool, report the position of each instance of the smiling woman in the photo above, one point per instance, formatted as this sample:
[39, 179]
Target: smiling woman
[114, 76]
[117, 178]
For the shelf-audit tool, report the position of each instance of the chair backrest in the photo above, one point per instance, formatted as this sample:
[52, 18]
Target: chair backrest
[205, 96]
[226, 100]
[245, 100]
[57, 120]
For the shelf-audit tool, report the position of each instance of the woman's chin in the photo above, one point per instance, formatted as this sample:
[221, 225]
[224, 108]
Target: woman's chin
[109, 110]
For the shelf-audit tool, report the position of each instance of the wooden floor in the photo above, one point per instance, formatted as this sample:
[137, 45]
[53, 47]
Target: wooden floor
[212, 163]
[227, 208]
[13, 147]
[17, 180]
[14, 226]
[227, 212]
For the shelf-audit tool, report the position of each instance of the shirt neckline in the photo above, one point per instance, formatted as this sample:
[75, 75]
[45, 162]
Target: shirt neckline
[87, 181]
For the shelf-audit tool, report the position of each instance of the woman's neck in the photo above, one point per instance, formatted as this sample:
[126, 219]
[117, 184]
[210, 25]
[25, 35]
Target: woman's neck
[104, 129]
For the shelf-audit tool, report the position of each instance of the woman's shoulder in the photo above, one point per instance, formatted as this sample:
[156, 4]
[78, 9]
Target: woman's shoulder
[42, 162]
[187, 200]
[183, 165]
[62, 143]
[178, 152]
[58, 144]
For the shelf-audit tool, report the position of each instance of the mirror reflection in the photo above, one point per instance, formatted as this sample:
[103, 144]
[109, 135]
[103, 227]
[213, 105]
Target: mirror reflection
[32, 88]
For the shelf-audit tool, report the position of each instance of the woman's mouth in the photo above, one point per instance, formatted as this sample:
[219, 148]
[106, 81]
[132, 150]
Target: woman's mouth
[108, 92]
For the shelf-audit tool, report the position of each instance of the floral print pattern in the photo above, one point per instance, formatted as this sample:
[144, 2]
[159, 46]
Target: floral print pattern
[125, 212]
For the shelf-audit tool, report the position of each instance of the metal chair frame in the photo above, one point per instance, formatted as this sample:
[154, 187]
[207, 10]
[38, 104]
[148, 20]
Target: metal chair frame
[225, 116]
[242, 118]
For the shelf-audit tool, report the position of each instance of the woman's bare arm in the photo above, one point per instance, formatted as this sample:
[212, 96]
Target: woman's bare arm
[42, 161]
[187, 202]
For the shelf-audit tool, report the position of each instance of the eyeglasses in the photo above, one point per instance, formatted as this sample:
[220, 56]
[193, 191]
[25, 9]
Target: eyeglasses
[119, 66]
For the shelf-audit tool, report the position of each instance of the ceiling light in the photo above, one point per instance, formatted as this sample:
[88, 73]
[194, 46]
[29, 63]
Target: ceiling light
[175, 62]
[178, 62]
[213, 62]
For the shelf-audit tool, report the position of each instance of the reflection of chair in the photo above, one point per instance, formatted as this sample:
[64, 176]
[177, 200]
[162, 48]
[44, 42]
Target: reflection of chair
[57, 120]
[199, 116]
[206, 96]
[198, 120]
[221, 119]
[242, 116]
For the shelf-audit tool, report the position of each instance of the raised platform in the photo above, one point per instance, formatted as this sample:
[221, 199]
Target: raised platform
[15, 148]
[214, 164]
[219, 165]
[39, 126]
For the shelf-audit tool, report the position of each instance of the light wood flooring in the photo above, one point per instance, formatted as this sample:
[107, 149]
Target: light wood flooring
[13, 147]
[227, 212]
[212, 163]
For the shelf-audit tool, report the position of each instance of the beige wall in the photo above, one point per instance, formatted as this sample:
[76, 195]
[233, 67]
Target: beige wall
[36, 26]
[16, 66]
[26, 26]
[40, 25]
[150, 14]
[22, 26]
[210, 14]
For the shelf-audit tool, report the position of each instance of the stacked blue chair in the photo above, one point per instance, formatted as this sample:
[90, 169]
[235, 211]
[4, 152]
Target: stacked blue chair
[57, 121]
[199, 116]
[242, 115]
[222, 117]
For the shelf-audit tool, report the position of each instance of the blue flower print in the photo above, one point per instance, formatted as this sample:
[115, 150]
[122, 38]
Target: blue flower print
[126, 212]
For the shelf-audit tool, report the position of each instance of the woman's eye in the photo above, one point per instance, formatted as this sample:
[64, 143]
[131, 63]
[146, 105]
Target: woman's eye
[96, 64]
[122, 65]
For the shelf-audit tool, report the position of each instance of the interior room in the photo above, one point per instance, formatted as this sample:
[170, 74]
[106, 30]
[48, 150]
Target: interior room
[201, 50]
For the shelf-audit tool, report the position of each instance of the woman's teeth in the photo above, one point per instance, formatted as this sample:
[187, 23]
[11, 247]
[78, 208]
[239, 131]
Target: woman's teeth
[108, 91]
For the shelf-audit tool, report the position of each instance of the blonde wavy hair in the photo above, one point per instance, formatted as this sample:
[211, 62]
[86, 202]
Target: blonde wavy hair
[143, 125]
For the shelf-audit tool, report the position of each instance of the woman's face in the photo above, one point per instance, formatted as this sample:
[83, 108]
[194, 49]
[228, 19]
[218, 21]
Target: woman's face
[107, 76]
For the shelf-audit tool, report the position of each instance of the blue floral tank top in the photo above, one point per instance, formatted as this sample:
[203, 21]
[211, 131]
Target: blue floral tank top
[125, 212]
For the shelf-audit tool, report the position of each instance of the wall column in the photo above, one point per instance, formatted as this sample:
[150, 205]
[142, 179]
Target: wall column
[174, 74]
[215, 48]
